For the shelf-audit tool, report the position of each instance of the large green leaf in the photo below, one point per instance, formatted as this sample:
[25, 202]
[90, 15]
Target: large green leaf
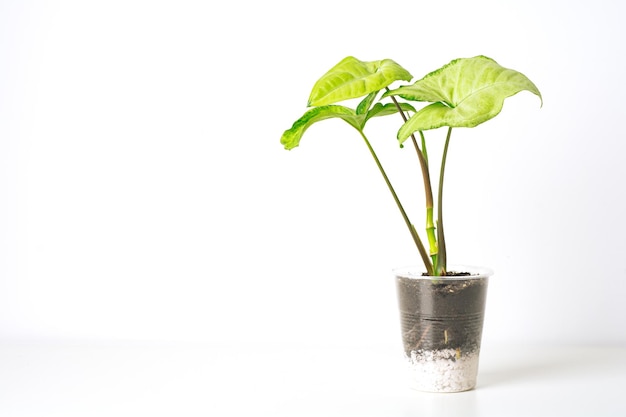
[291, 137]
[465, 93]
[352, 78]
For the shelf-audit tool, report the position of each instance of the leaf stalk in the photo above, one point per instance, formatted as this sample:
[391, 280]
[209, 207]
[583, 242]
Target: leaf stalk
[440, 267]
[422, 156]
[418, 242]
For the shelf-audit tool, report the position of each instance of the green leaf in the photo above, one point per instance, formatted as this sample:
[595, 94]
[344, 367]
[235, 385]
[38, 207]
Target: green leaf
[352, 78]
[383, 110]
[291, 137]
[465, 93]
[366, 103]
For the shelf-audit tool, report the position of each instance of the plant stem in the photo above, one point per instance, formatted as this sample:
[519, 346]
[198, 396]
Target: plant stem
[424, 147]
[440, 267]
[422, 156]
[414, 234]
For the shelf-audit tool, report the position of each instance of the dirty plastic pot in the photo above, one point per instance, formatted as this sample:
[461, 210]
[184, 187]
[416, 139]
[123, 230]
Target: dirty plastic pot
[442, 321]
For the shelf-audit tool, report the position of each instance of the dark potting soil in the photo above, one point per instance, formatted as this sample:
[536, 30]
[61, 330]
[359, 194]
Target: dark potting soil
[443, 313]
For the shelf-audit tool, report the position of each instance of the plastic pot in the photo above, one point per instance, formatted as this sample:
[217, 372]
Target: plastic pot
[442, 321]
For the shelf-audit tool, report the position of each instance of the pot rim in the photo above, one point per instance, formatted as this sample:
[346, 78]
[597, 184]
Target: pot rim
[417, 271]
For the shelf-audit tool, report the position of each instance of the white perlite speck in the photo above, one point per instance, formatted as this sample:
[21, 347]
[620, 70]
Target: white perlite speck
[446, 370]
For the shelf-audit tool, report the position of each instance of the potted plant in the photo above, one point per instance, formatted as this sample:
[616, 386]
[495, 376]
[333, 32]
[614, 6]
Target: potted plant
[441, 307]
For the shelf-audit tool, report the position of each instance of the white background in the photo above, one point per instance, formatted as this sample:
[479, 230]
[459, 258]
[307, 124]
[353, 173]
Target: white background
[144, 195]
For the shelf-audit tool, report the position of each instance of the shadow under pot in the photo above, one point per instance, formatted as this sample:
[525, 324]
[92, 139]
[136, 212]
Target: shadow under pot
[442, 321]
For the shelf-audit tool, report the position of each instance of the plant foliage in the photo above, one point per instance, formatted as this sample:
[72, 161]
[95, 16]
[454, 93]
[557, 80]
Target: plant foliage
[464, 93]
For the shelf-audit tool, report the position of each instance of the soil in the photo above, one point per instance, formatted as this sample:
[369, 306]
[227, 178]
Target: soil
[439, 314]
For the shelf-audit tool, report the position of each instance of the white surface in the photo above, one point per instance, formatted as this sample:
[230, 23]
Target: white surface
[203, 380]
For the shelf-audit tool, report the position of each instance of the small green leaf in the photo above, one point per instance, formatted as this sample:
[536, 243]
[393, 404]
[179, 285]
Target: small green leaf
[366, 103]
[383, 110]
[464, 93]
[291, 137]
[352, 78]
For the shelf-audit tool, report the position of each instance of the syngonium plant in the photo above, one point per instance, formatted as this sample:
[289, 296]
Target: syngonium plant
[464, 93]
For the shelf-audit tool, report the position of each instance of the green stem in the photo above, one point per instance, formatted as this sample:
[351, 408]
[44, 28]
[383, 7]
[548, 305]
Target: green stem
[440, 268]
[414, 234]
[424, 147]
[422, 156]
